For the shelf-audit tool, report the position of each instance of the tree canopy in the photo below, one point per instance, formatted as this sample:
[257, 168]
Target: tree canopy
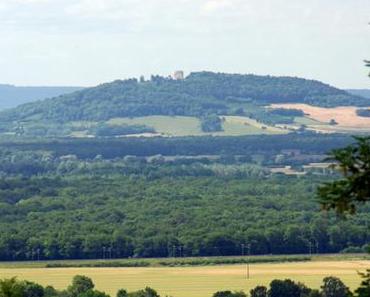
[187, 193]
[364, 289]
[353, 162]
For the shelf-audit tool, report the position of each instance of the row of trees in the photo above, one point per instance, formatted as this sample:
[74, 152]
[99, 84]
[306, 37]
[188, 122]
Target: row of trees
[363, 112]
[136, 155]
[105, 130]
[82, 286]
[309, 144]
[331, 287]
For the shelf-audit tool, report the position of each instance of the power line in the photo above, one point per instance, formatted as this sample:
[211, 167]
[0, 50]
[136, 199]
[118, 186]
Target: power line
[248, 246]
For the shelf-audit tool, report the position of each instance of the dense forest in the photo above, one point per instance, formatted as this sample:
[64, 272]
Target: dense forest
[92, 199]
[199, 211]
[200, 94]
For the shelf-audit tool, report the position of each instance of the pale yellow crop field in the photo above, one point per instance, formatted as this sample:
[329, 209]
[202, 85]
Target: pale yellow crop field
[239, 125]
[345, 116]
[195, 281]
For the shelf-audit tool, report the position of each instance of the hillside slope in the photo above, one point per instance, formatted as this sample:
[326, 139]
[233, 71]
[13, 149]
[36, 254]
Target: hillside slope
[199, 94]
[12, 96]
[211, 102]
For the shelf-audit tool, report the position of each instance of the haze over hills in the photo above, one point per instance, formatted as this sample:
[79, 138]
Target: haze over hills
[360, 92]
[206, 101]
[12, 96]
[184, 184]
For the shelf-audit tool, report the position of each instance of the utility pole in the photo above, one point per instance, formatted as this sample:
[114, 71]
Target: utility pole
[249, 253]
[248, 246]
[180, 251]
[317, 247]
[38, 254]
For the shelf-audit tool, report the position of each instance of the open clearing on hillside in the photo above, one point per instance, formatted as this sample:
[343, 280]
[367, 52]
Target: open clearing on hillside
[345, 116]
[191, 126]
[195, 281]
[238, 125]
[166, 125]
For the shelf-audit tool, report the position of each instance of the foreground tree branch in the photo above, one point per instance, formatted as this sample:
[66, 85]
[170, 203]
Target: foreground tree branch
[353, 162]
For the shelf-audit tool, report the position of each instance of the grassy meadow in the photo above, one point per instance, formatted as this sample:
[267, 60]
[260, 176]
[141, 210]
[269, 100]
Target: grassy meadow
[196, 281]
[171, 126]
[186, 126]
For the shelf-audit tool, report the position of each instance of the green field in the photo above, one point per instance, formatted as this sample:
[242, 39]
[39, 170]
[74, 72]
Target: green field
[169, 126]
[195, 281]
[191, 126]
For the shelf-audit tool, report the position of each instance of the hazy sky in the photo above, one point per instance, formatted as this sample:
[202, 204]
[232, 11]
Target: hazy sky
[86, 42]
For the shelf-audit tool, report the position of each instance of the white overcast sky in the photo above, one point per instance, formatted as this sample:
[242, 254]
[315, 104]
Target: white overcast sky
[87, 42]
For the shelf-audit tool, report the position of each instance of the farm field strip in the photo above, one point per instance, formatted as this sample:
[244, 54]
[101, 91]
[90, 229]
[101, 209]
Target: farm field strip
[244, 125]
[187, 261]
[345, 116]
[195, 281]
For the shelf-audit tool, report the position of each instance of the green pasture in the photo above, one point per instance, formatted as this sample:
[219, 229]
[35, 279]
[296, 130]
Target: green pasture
[191, 126]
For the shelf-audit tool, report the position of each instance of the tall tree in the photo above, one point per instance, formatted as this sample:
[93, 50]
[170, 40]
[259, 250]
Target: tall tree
[10, 288]
[259, 291]
[147, 292]
[334, 287]
[353, 162]
[31, 289]
[284, 288]
[364, 289]
[80, 284]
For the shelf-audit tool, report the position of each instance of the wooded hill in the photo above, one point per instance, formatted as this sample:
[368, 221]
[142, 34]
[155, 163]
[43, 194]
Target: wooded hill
[202, 95]
[198, 95]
